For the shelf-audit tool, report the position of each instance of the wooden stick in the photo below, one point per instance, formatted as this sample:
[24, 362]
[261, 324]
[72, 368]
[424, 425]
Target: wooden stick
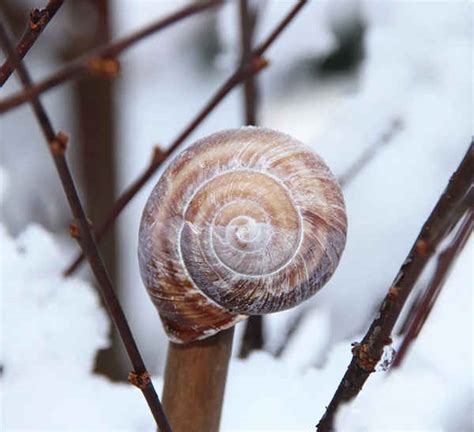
[196, 373]
[195, 378]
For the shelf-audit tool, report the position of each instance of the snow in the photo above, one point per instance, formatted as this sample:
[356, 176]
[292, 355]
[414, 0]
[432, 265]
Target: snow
[54, 328]
[59, 323]
[417, 68]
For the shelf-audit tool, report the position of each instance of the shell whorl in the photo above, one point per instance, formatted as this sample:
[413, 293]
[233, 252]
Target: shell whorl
[243, 222]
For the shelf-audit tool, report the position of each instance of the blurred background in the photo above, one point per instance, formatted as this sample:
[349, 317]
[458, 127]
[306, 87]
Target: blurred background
[382, 90]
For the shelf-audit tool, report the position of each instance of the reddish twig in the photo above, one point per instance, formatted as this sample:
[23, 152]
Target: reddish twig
[256, 64]
[39, 19]
[102, 59]
[444, 265]
[81, 230]
[410, 310]
[453, 203]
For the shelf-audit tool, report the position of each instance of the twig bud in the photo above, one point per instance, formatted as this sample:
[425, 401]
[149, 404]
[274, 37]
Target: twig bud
[258, 63]
[38, 19]
[74, 230]
[59, 143]
[158, 155]
[107, 67]
[140, 380]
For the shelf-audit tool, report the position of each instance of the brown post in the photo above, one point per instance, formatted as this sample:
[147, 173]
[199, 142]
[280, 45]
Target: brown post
[195, 378]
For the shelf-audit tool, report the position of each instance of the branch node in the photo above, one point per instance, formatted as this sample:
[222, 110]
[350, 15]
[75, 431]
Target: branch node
[106, 67]
[74, 230]
[393, 292]
[38, 19]
[258, 63]
[140, 380]
[423, 248]
[364, 357]
[59, 143]
[158, 155]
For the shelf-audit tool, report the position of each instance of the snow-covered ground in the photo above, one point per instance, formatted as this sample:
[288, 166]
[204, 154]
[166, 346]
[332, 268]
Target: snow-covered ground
[52, 328]
[417, 69]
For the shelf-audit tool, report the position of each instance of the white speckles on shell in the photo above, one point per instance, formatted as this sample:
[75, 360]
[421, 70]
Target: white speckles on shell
[243, 222]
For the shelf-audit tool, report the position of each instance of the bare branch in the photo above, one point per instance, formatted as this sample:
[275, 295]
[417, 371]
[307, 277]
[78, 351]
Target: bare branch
[248, 21]
[253, 336]
[452, 205]
[290, 331]
[362, 161]
[82, 231]
[102, 59]
[446, 261]
[256, 64]
[273, 36]
[39, 19]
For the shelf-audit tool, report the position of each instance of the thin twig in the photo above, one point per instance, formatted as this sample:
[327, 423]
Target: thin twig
[256, 64]
[410, 310]
[248, 21]
[82, 231]
[102, 59]
[444, 265]
[253, 334]
[252, 339]
[290, 331]
[362, 161]
[39, 19]
[452, 205]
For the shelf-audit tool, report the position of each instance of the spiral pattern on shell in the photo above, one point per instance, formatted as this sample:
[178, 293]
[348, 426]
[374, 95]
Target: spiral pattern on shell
[243, 222]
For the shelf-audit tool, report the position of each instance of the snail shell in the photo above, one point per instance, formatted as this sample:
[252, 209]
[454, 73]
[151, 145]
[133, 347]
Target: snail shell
[243, 222]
